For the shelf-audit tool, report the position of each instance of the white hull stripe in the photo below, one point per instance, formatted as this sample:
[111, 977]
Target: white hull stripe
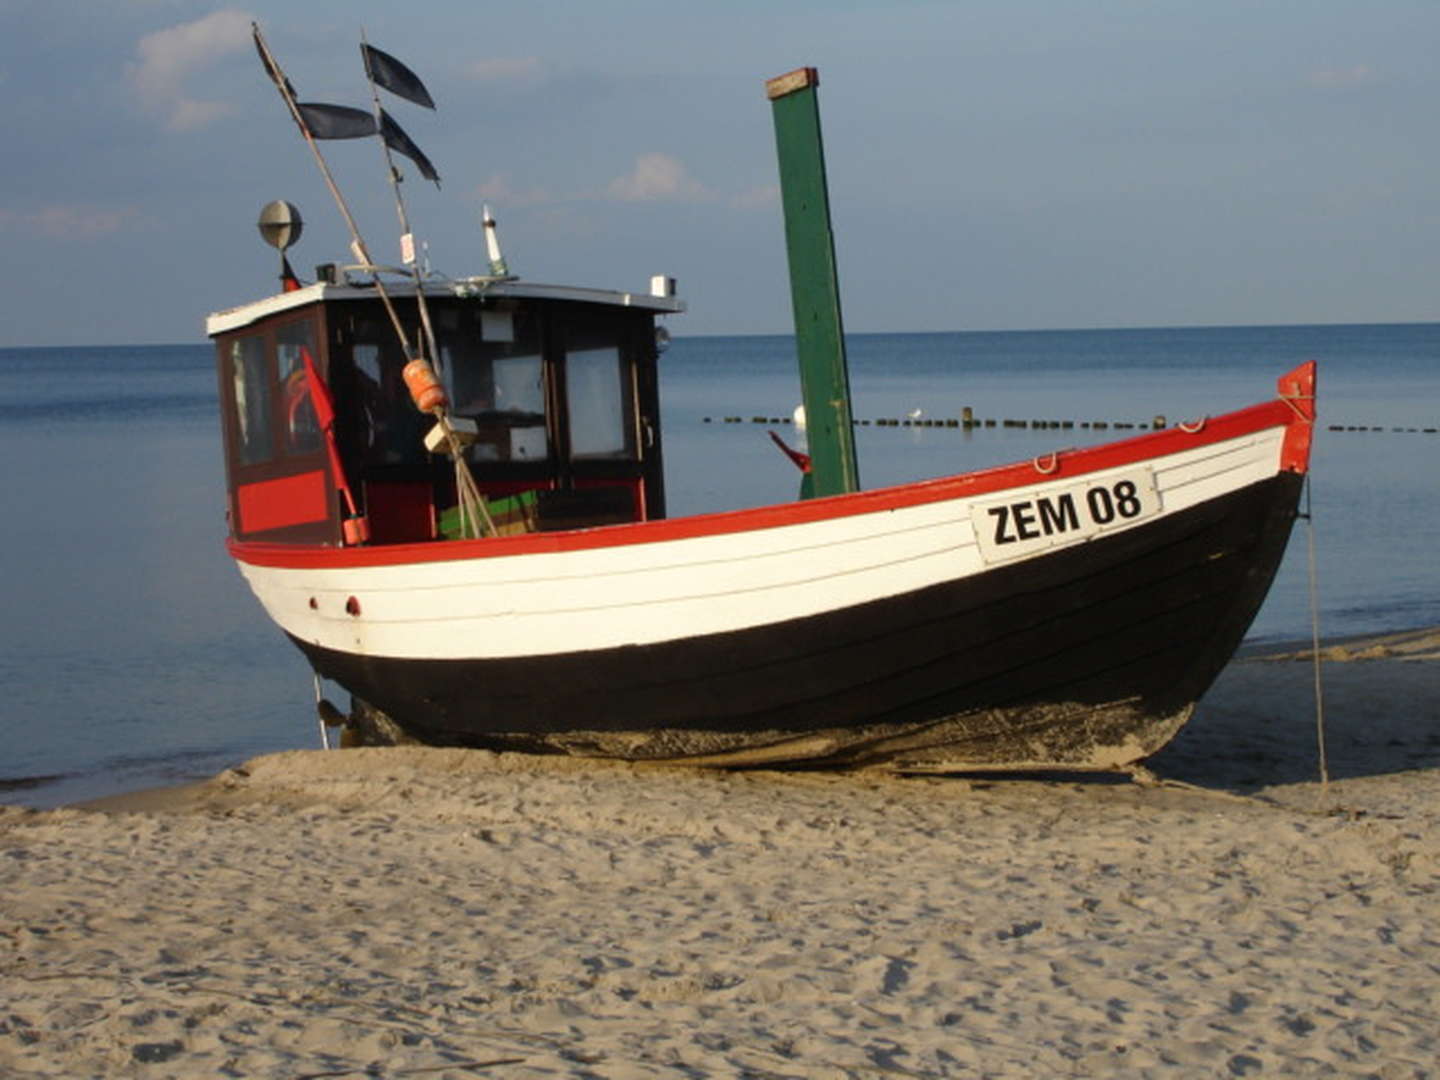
[554, 602]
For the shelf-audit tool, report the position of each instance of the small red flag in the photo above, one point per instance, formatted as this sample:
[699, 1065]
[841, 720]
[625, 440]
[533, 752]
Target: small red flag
[319, 393]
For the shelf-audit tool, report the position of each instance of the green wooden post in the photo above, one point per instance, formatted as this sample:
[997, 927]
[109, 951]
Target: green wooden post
[814, 288]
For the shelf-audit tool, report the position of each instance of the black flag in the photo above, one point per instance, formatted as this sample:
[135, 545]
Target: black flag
[271, 68]
[401, 143]
[336, 121]
[394, 76]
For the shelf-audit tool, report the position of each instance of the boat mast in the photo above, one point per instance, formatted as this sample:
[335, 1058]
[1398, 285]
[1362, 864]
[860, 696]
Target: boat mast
[357, 242]
[407, 238]
[814, 287]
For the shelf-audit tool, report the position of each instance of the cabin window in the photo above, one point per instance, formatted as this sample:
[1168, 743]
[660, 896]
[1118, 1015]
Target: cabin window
[377, 421]
[252, 399]
[300, 428]
[520, 401]
[496, 373]
[598, 398]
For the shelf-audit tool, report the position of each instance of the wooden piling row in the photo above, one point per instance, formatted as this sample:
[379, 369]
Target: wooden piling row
[968, 422]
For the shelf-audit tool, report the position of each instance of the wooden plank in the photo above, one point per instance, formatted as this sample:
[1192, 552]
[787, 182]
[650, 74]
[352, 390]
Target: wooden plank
[814, 286]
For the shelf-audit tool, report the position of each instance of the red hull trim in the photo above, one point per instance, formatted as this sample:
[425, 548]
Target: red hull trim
[1294, 411]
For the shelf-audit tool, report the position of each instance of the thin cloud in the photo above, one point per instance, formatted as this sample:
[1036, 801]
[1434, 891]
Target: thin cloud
[757, 198]
[77, 221]
[654, 178]
[498, 190]
[1331, 78]
[507, 69]
[167, 58]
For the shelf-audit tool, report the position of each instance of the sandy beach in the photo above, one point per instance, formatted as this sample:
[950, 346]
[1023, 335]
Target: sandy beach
[445, 913]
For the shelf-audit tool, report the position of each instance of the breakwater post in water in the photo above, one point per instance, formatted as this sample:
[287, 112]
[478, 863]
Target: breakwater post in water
[967, 422]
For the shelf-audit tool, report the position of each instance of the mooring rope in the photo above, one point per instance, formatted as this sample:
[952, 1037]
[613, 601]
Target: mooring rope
[1315, 645]
[472, 503]
[1291, 399]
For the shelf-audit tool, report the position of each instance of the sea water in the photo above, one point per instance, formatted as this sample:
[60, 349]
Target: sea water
[132, 654]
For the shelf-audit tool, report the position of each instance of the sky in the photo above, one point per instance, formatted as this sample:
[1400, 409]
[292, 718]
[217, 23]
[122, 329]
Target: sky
[993, 164]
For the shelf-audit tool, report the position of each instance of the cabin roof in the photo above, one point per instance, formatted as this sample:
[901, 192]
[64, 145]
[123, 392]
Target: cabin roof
[237, 317]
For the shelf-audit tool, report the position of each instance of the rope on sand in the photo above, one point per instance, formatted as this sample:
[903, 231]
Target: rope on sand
[1144, 777]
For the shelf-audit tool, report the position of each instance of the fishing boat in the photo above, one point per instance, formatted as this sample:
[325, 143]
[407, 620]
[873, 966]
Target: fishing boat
[449, 495]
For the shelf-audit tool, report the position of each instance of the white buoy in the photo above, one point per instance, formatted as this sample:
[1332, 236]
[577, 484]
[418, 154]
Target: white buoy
[915, 414]
[798, 417]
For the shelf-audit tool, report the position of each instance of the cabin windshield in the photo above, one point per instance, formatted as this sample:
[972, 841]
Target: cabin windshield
[563, 400]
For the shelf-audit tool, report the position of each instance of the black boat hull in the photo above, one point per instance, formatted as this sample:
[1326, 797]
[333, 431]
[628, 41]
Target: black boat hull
[1089, 657]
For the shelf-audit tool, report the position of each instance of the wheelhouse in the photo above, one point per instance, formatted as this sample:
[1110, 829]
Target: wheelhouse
[555, 390]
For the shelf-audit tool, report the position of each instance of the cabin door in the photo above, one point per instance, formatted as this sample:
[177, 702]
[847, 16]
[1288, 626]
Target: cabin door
[275, 457]
[609, 430]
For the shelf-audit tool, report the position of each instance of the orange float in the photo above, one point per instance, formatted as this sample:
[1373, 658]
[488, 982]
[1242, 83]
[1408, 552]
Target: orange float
[424, 386]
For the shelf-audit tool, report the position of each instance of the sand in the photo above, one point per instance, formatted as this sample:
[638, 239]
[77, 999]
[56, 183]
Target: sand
[438, 913]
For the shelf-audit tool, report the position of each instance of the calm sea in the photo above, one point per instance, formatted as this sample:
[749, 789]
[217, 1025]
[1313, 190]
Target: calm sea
[131, 653]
